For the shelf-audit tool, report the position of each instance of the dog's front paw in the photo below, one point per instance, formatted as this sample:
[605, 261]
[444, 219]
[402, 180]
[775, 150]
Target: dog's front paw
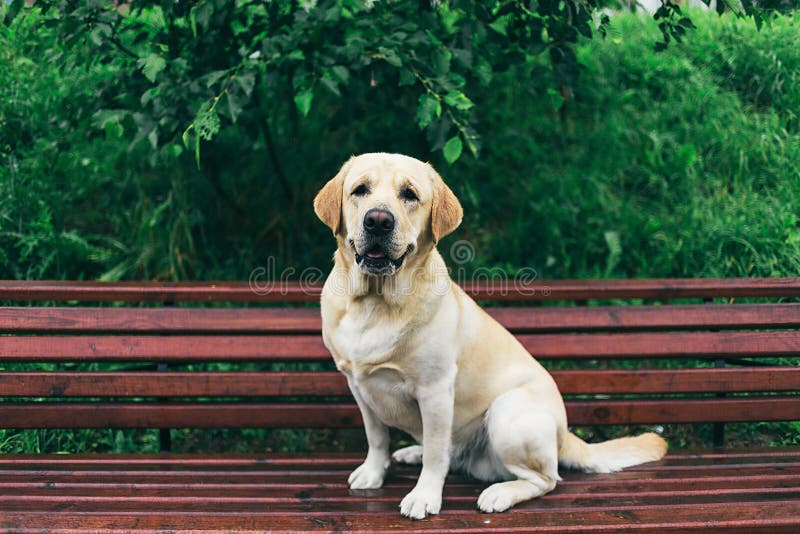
[421, 502]
[408, 455]
[367, 476]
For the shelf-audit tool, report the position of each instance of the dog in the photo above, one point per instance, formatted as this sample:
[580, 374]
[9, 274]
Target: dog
[421, 356]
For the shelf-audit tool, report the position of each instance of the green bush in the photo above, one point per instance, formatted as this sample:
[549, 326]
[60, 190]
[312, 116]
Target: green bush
[684, 162]
[662, 166]
[674, 163]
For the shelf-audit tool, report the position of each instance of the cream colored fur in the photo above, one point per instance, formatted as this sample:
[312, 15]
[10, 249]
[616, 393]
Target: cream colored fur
[420, 355]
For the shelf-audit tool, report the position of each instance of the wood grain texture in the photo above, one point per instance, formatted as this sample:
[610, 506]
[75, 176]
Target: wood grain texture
[180, 348]
[308, 383]
[346, 415]
[683, 493]
[724, 491]
[307, 320]
[278, 291]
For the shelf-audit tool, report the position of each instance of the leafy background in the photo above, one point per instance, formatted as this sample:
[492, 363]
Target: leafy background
[185, 141]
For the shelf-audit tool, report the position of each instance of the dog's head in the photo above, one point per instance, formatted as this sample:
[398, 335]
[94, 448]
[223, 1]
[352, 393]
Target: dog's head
[387, 208]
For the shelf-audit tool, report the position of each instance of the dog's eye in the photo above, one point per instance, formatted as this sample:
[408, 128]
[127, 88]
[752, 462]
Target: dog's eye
[408, 194]
[360, 191]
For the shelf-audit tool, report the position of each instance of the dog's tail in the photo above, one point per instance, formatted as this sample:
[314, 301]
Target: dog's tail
[613, 455]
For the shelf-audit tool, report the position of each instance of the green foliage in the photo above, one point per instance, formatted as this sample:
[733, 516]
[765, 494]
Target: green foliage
[664, 165]
[186, 141]
[678, 163]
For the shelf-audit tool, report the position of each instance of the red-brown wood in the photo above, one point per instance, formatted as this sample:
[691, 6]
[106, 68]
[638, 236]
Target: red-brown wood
[259, 415]
[163, 348]
[307, 320]
[277, 291]
[306, 383]
[173, 384]
[336, 478]
[662, 345]
[161, 320]
[311, 348]
[750, 515]
[727, 491]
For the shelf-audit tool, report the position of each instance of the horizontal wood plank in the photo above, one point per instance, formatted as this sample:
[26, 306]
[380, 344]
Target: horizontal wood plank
[307, 320]
[169, 320]
[283, 291]
[286, 384]
[749, 515]
[343, 415]
[311, 348]
[304, 479]
[302, 506]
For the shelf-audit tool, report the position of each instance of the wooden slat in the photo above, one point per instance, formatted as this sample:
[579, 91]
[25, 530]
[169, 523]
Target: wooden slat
[721, 464]
[304, 480]
[173, 384]
[673, 317]
[755, 514]
[166, 348]
[230, 415]
[730, 410]
[269, 384]
[662, 345]
[453, 496]
[161, 320]
[206, 415]
[307, 320]
[311, 348]
[649, 381]
[223, 291]
[299, 507]
[350, 460]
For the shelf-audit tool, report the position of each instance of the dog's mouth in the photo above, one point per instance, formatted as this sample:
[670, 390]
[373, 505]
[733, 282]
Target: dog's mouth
[375, 260]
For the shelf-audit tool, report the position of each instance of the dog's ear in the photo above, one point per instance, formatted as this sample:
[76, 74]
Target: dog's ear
[446, 212]
[328, 202]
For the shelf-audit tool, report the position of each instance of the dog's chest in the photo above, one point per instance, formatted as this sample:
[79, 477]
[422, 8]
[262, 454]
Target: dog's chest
[373, 354]
[362, 342]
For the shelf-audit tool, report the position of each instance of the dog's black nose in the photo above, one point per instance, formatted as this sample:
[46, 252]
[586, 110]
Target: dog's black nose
[378, 222]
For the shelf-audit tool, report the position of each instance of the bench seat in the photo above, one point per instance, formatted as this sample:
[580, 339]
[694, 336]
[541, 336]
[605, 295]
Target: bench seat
[122, 355]
[735, 491]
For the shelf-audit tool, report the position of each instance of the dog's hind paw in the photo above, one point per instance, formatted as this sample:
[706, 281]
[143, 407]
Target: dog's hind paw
[408, 455]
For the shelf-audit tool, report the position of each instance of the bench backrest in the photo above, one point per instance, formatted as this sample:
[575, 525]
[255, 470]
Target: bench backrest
[165, 365]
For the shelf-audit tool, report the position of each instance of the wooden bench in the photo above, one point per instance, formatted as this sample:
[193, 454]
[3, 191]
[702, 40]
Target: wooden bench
[718, 350]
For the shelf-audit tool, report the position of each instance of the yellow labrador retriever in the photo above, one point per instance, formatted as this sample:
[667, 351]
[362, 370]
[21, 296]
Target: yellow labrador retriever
[420, 355]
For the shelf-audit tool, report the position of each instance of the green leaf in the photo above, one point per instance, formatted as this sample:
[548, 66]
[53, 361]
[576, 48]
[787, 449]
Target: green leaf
[185, 136]
[303, 101]
[152, 66]
[458, 100]
[341, 73]
[440, 61]
[214, 76]
[500, 24]
[390, 56]
[483, 71]
[452, 149]
[12, 11]
[246, 80]
[114, 129]
[234, 106]
[330, 84]
[614, 244]
[406, 78]
[428, 109]
[193, 21]
[206, 123]
[556, 100]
